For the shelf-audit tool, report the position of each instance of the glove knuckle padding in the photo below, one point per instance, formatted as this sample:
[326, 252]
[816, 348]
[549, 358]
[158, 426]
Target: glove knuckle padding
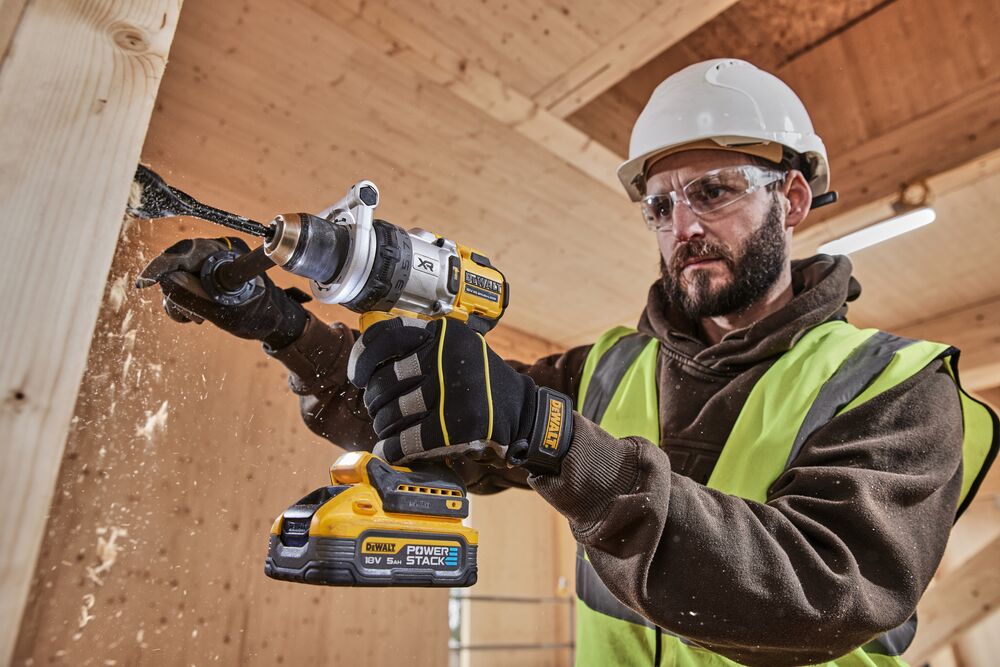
[401, 413]
[385, 342]
[385, 387]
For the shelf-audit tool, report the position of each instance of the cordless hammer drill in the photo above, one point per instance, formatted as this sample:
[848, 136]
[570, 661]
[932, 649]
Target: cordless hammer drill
[376, 524]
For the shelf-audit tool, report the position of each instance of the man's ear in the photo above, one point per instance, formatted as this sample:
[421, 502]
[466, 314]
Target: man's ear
[798, 198]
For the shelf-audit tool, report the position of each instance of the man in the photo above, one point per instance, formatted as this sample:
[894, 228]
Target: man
[750, 478]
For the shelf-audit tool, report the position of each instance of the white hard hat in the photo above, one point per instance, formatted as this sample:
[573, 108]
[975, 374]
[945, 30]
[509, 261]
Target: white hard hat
[726, 104]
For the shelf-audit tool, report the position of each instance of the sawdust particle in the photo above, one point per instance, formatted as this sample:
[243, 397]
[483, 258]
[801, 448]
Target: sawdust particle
[155, 423]
[117, 293]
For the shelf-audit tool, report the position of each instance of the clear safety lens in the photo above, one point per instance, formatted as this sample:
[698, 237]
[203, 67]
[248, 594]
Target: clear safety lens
[707, 193]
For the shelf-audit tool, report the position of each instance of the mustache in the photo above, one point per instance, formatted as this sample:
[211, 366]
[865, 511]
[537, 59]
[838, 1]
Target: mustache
[696, 250]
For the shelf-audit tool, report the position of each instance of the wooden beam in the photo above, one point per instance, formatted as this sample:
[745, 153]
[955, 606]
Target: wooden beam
[76, 94]
[648, 36]
[486, 92]
[975, 331]
[430, 57]
[955, 133]
[956, 602]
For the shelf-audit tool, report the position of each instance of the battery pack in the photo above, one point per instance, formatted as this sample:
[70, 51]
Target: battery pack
[386, 526]
[378, 558]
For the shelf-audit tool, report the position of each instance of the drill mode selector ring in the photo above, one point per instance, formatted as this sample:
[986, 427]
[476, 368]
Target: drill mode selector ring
[390, 270]
[210, 282]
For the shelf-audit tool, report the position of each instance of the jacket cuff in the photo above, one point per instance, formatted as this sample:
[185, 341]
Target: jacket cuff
[597, 469]
[316, 360]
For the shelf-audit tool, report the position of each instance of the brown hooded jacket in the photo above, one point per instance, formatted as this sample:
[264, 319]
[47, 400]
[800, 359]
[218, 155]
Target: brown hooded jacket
[842, 550]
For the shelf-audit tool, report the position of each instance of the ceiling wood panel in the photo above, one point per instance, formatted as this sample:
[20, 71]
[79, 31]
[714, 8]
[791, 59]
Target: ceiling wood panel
[425, 53]
[765, 32]
[524, 43]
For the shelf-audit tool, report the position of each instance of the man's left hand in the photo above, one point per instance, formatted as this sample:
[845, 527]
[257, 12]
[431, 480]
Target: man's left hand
[436, 384]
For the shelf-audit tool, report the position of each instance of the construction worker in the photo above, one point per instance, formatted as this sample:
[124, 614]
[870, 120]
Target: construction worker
[751, 479]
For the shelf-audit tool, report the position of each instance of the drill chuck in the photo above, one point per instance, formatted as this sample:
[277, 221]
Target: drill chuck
[309, 246]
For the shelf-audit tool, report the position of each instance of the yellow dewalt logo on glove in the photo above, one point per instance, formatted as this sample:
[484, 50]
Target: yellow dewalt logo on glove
[554, 426]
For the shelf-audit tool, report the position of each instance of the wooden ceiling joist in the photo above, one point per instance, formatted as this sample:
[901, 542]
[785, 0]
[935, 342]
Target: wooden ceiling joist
[975, 331]
[433, 58]
[956, 602]
[649, 35]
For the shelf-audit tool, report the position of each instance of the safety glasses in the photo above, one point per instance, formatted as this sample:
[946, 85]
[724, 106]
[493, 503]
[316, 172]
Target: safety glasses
[708, 193]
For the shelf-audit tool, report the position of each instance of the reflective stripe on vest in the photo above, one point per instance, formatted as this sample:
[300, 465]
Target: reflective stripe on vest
[832, 369]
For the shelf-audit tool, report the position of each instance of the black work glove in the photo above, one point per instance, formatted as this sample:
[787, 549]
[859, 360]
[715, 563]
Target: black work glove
[271, 314]
[435, 388]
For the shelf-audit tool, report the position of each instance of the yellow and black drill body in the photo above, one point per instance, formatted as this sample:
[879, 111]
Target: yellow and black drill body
[377, 524]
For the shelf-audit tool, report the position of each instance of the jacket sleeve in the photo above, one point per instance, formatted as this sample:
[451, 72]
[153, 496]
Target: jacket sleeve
[333, 408]
[842, 550]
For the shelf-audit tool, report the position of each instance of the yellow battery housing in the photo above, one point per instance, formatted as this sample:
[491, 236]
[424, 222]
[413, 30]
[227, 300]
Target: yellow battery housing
[376, 525]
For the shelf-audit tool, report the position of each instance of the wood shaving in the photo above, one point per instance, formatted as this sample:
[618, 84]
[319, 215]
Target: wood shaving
[107, 552]
[155, 423]
[118, 293]
[128, 340]
[135, 195]
[126, 322]
[85, 615]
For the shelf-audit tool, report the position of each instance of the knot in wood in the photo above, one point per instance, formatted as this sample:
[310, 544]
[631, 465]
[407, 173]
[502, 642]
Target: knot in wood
[130, 38]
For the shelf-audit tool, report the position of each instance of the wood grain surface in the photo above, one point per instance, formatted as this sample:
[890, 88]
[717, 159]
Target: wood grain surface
[76, 93]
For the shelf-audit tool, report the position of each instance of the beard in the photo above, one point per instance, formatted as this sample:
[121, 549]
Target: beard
[755, 268]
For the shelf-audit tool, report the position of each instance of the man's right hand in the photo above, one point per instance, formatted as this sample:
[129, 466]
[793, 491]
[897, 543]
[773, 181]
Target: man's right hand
[272, 315]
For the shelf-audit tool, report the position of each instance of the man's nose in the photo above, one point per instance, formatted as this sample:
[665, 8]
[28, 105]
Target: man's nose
[686, 224]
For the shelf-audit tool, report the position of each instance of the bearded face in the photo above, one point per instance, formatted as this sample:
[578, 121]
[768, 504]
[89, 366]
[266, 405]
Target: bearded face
[751, 269]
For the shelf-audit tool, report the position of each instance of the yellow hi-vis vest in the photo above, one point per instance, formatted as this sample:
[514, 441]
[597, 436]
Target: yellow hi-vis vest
[833, 368]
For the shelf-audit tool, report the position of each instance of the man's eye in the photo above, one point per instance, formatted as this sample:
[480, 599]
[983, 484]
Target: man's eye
[658, 208]
[714, 192]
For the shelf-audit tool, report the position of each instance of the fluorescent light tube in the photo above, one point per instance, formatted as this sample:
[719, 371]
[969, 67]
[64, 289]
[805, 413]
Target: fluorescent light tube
[878, 232]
